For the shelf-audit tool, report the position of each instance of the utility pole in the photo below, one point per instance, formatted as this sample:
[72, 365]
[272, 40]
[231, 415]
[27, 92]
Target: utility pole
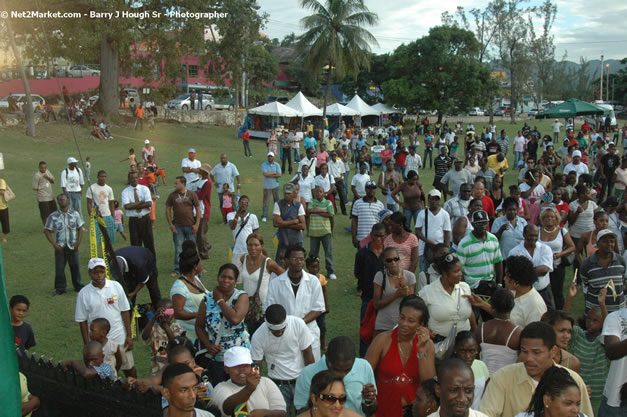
[601, 88]
[607, 84]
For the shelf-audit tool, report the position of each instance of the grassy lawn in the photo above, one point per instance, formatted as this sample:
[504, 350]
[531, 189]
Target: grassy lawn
[29, 260]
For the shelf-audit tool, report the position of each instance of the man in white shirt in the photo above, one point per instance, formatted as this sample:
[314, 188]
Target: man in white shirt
[434, 229]
[310, 160]
[359, 181]
[413, 161]
[556, 130]
[337, 172]
[285, 343]
[137, 201]
[457, 206]
[576, 165]
[72, 181]
[519, 148]
[224, 173]
[246, 385]
[614, 339]
[105, 298]
[242, 223]
[191, 168]
[300, 293]
[365, 213]
[100, 197]
[541, 256]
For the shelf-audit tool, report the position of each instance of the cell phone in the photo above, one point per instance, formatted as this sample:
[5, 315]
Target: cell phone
[168, 312]
[254, 368]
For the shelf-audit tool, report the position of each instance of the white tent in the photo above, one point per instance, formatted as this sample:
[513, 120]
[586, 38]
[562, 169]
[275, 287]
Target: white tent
[275, 109]
[361, 107]
[339, 110]
[385, 109]
[304, 106]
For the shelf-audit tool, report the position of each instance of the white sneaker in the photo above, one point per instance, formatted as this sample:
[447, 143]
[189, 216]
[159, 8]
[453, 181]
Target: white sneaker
[332, 276]
[263, 219]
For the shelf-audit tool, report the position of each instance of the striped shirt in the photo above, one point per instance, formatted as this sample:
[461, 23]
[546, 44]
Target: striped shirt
[595, 276]
[367, 216]
[594, 363]
[442, 165]
[478, 258]
[320, 226]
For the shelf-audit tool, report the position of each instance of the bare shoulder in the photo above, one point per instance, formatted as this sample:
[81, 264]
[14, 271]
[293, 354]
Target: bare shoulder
[347, 412]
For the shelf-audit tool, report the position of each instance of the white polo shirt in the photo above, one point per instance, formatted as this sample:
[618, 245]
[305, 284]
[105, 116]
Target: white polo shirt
[542, 256]
[190, 176]
[108, 302]
[284, 355]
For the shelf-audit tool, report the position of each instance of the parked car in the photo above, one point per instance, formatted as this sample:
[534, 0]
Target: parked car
[499, 112]
[476, 112]
[533, 112]
[82, 71]
[21, 99]
[280, 99]
[184, 102]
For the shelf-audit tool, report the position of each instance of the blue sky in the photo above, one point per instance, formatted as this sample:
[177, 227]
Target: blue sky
[582, 28]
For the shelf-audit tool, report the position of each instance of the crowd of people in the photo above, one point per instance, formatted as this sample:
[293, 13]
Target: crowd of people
[464, 300]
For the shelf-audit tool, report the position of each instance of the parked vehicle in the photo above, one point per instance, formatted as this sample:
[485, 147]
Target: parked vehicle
[476, 112]
[184, 102]
[499, 112]
[82, 71]
[21, 99]
[533, 112]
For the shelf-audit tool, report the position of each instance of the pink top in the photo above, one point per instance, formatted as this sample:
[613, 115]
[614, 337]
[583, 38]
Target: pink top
[322, 158]
[150, 150]
[227, 201]
[132, 160]
[405, 248]
[117, 216]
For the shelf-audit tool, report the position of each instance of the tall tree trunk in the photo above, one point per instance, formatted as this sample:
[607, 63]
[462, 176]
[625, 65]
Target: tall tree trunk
[28, 114]
[109, 74]
[513, 105]
[326, 93]
[236, 108]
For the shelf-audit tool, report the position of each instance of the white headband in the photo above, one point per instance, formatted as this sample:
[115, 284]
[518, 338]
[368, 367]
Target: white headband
[277, 327]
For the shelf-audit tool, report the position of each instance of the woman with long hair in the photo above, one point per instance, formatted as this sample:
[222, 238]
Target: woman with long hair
[327, 397]
[563, 324]
[220, 321]
[402, 358]
[557, 395]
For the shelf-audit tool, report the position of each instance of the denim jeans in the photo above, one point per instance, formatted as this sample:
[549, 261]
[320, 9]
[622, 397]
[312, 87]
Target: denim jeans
[247, 151]
[61, 258]
[182, 234]
[409, 215]
[75, 201]
[428, 151]
[557, 286]
[296, 155]
[327, 244]
[266, 199]
[518, 156]
[608, 411]
[287, 391]
[286, 156]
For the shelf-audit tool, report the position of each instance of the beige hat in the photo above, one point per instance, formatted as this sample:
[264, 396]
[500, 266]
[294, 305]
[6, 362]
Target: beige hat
[205, 167]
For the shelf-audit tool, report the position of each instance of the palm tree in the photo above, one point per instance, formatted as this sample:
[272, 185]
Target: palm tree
[336, 37]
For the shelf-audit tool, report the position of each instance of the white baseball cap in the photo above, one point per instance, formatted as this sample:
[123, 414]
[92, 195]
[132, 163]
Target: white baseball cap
[270, 153]
[435, 193]
[94, 262]
[72, 160]
[237, 355]
[577, 153]
[146, 142]
[191, 150]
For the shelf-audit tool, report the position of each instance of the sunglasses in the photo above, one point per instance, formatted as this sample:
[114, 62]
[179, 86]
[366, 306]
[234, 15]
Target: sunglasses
[389, 260]
[331, 399]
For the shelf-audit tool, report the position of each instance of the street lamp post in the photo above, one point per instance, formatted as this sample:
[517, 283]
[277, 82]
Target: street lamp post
[607, 84]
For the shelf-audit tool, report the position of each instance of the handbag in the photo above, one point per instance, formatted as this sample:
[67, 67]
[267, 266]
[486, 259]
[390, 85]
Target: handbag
[444, 348]
[569, 259]
[8, 194]
[366, 327]
[254, 317]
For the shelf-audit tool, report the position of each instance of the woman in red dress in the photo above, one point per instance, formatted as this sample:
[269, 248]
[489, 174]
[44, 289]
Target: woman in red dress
[402, 358]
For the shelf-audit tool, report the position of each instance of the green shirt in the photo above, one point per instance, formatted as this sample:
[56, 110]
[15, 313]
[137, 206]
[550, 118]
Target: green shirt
[478, 258]
[594, 363]
[318, 225]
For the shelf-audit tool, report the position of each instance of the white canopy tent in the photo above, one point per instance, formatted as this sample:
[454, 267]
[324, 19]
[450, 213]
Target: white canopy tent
[275, 109]
[362, 107]
[339, 110]
[300, 103]
[385, 109]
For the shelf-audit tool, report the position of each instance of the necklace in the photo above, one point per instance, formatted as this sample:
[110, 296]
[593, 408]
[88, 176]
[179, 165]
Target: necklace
[400, 350]
[550, 231]
[295, 285]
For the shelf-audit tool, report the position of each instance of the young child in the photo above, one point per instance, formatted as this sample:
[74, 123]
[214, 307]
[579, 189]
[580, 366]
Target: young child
[98, 331]
[158, 336]
[131, 159]
[93, 363]
[585, 344]
[24, 335]
[118, 217]
[389, 201]
[228, 199]
[313, 267]
[88, 166]
[151, 163]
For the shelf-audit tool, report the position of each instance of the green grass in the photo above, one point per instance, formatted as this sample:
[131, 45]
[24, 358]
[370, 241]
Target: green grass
[28, 257]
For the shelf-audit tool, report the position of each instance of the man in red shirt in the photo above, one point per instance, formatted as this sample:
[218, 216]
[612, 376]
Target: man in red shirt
[246, 140]
[203, 192]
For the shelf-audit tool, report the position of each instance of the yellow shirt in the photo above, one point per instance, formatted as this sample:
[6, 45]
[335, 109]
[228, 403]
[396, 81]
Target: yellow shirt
[3, 187]
[24, 390]
[496, 165]
[510, 389]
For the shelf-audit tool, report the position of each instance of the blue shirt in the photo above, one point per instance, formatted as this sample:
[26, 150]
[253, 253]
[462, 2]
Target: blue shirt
[360, 374]
[104, 370]
[224, 174]
[310, 142]
[270, 183]
[510, 237]
[360, 143]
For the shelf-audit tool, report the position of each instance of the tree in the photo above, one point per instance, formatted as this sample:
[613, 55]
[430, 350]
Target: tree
[336, 38]
[542, 48]
[368, 78]
[449, 79]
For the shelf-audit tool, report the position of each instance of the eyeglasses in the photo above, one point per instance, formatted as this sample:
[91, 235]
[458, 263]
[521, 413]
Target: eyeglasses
[331, 399]
[390, 260]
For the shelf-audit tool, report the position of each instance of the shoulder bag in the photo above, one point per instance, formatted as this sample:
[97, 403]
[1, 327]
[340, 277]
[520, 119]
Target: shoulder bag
[428, 252]
[254, 317]
[444, 348]
[366, 327]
